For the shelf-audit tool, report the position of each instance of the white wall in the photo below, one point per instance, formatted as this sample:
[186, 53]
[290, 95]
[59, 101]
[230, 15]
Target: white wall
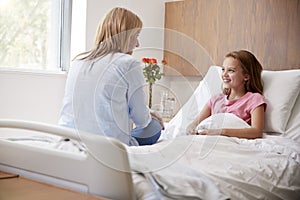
[150, 12]
[31, 95]
[38, 96]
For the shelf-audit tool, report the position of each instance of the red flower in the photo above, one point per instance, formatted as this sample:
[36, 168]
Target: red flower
[153, 60]
[145, 60]
[149, 60]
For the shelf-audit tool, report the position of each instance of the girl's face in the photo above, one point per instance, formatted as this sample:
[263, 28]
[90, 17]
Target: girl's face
[232, 74]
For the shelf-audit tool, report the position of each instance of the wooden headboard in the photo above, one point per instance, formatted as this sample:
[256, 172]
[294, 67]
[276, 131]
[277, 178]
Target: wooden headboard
[199, 33]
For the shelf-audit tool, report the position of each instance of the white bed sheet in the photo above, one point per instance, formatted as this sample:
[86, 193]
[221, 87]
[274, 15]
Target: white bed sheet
[217, 167]
[43, 140]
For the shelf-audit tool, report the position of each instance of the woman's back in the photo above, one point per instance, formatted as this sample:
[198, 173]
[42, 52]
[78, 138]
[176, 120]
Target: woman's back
[98, 94]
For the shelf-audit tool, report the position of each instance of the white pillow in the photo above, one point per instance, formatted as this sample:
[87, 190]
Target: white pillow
[281, 89]
[293, 125]
[222, 120]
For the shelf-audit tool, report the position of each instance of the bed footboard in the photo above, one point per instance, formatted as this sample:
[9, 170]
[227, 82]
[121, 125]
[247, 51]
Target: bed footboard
[104, 170]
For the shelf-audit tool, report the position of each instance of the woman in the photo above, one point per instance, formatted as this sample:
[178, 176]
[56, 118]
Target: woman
[104, 88]
[242, 96]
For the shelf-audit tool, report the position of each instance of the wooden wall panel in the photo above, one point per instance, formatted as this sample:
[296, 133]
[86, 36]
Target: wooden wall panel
[198, 33]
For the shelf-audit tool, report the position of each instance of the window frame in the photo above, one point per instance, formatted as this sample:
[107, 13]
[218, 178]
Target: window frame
[65, 34]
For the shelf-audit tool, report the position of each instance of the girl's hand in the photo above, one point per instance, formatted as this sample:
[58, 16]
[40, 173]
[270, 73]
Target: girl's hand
[191, 129]
[203, 132]
[210, 132]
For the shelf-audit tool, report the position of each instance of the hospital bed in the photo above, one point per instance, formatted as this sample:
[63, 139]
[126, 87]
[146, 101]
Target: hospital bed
[52, 154]
[178, 166]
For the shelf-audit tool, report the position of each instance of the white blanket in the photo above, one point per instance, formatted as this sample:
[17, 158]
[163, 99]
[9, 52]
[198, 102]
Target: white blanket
[218, 167]
[43, 140]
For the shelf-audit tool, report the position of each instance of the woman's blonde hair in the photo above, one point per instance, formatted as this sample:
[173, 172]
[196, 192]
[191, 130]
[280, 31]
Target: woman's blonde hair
[114, 33]
[250, 66]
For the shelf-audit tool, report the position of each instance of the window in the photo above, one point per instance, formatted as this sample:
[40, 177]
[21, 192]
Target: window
[35, 34]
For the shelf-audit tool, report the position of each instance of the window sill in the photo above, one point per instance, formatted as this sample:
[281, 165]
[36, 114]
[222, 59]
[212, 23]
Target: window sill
[33, 72]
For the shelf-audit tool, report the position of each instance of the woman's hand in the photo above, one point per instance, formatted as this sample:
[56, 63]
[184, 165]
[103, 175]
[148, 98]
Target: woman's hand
[157, 116]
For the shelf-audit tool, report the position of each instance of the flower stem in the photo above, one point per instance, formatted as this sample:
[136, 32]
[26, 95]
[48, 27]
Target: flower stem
[150, 95]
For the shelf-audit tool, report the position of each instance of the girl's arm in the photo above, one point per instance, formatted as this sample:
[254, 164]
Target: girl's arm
[205, 112]
[256, 130]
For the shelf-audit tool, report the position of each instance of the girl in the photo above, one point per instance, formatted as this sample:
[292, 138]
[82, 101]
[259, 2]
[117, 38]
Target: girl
[242, 96]
[104, 88]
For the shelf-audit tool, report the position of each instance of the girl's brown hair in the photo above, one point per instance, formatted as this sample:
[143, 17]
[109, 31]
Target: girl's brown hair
[114, 33]
[250, 66]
